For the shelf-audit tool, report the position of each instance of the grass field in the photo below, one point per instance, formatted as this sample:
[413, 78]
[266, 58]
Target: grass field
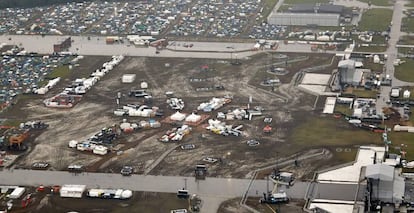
[398, 138]
[373, 49]
[410, 3]
[376, 19]
[305, 1]
[407, 24]
[377, 2]
[346, 156]
[405, 71]
[343, 108]
[373, 66]
[331, 132]
[361, 93]
[61, 71]
[406, 40]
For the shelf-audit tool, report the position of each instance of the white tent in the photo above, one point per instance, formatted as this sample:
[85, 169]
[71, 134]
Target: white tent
[178, 116]
[193, 118]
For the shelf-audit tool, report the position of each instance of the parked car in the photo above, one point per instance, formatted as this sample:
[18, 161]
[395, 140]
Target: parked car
[179, 211]
[188, 146]
[268, 119]
[127, 170]
[253, 142]
[40, 165]
[75, 168]
[210, 160]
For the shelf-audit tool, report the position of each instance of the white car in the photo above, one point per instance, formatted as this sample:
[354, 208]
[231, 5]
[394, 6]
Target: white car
[253, 142]
[179, 211]
[210, 160]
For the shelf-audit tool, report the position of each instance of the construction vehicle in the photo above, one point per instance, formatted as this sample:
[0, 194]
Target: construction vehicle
[200, 172]
[16, 137]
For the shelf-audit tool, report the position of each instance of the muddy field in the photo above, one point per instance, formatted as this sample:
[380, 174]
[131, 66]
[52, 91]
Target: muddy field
[184, 77]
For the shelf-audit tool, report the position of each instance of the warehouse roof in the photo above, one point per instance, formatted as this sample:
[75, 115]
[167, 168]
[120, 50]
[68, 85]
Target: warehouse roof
[380, 171]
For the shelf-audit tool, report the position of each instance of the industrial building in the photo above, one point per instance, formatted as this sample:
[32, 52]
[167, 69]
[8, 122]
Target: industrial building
[348, 74]
[303, 19]
[385, 185]
[371, 182]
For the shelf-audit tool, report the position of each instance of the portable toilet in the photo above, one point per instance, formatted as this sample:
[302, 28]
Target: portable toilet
[406, 94]
[144, 85]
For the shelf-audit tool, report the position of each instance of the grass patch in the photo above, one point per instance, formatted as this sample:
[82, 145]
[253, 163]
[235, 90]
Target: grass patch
[377, 19]
[347, 155]
[10, 122]
[406, 50]
[371, 49]
[369, 64]
[408, 40]
[268, 7]
[283, 8]
[410, 3]
[307, 1]
[406, 138]
[407, 24]
[377, 2]
[343, 108]
[361, 93]
[61, 71]
[330, 132]
[405, 71]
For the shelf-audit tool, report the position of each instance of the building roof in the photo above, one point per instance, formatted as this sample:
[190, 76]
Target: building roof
[312, 8]
[331, 8]
[381, 172]
[351, 173]
[333, 207]
[302, 8]
[346, 63]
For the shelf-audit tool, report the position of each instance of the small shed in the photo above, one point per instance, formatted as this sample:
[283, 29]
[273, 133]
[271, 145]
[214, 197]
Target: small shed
[406, 94]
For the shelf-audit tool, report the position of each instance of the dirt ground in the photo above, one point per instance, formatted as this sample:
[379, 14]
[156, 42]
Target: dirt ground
[141, 149]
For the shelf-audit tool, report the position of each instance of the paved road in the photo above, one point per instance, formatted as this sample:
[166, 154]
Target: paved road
[212, 190]
[97, 46]
[392, 52]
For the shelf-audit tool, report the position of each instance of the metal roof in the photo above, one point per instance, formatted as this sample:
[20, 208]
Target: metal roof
[380, 172]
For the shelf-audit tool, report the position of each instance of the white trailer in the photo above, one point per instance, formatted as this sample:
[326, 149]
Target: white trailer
[17, 193]
[73, 191]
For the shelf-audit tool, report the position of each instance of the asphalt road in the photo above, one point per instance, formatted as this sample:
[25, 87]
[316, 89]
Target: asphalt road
[392, 53]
